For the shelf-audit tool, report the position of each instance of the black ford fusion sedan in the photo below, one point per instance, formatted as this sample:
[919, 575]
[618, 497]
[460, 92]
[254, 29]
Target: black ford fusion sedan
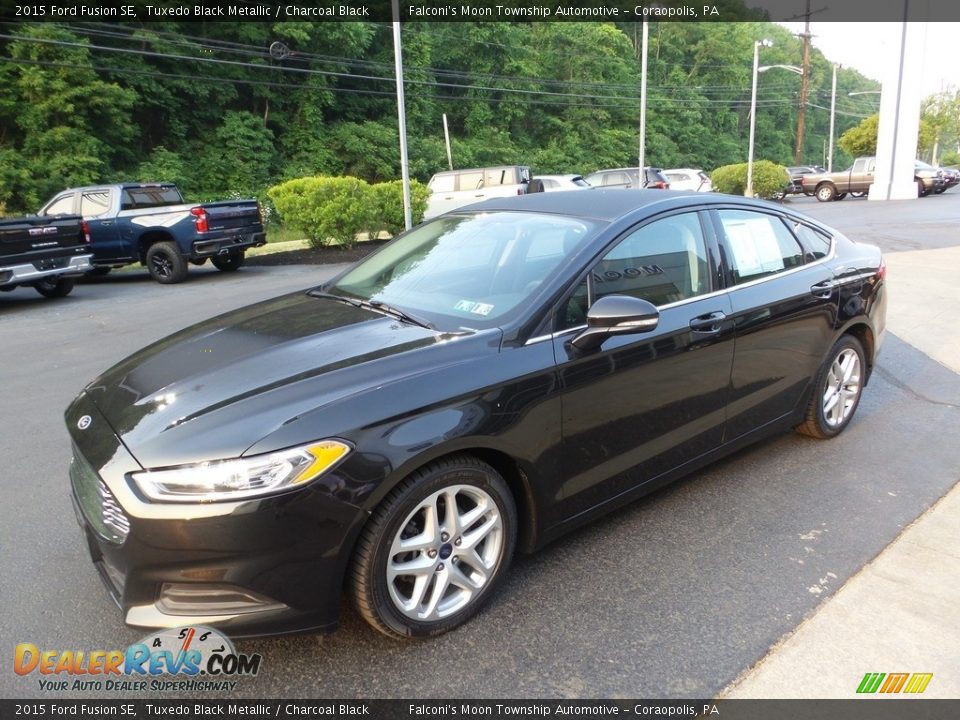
[480, 385]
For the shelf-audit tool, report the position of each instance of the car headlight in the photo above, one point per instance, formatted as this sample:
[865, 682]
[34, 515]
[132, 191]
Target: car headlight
[224, 480]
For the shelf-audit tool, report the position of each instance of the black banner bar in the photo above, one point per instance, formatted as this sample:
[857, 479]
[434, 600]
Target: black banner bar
[854, 709]
[471, 10]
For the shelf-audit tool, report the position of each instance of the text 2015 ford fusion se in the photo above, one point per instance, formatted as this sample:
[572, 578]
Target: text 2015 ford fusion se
[482, 384]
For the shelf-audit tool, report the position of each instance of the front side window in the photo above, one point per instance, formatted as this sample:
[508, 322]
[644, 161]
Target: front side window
[758, 245]
[467, 270]
[61, 206]
[663, 262]
[442, 183]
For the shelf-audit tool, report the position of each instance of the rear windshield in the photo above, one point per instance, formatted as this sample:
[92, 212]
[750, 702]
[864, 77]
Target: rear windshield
[148, 197]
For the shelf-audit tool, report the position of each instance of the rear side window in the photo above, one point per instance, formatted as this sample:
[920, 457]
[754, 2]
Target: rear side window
[758, 245]
[94, 203]
[818, 244]
[470, 180]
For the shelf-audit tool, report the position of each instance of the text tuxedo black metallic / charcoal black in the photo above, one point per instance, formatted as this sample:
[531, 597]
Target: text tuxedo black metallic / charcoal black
[480, 385]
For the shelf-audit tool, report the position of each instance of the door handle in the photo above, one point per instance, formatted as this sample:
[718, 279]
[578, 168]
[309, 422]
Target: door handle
[709, 323]
[823, 289]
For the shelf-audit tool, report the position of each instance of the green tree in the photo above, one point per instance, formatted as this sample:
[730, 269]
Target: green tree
[63, 125]
[861, 140]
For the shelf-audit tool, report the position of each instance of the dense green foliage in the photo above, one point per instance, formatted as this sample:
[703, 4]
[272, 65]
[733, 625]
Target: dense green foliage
[769, 179]
[338, 209]
[208, 106]
[861, 141]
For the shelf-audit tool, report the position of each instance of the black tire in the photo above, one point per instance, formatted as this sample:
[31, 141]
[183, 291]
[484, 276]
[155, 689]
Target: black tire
[826, 192]
[817, 422]
[840, 196]
[228, 263]
[857, 194]
[165, 263]
[402, 512]
[55, 287]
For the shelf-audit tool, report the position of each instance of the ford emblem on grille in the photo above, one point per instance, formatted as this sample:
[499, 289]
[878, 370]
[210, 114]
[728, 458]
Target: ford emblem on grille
[84, 422]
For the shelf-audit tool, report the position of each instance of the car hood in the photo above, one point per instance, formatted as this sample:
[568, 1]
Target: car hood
[215, 389]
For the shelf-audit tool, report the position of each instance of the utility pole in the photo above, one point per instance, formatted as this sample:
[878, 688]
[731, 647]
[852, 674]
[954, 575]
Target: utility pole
[804, 83]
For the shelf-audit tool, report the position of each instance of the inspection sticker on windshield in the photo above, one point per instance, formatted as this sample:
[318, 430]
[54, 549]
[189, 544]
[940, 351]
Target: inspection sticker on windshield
[477, 308]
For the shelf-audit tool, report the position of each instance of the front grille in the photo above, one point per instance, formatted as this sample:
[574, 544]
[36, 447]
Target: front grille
[98, 504]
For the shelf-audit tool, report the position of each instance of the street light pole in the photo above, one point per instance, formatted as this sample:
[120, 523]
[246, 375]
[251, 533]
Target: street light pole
[643, 106]
[753, 112]
[833, 112]
[401, 117]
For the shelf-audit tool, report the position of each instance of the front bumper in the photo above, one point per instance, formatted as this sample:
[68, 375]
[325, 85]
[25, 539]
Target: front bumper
[210, 247]
[27, 273]
[256, 567]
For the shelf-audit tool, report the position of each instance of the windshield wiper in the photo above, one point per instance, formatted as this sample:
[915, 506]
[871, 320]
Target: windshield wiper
[375, 305]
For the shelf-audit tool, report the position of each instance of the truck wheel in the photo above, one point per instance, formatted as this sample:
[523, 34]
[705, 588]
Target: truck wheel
[826, 193]
[165, 263]
[840, 196]
[54, 287]
[228, 263]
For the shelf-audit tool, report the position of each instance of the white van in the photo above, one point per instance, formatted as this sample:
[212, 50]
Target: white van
[455, 188]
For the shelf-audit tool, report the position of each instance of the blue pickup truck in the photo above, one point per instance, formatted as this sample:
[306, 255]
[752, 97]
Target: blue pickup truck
[150, 223]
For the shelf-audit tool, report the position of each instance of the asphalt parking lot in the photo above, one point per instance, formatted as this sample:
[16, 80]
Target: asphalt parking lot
[673, 596]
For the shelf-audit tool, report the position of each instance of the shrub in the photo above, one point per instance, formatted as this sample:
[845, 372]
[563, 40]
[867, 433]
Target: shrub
[326, 209]
[769, 179]
[386, 201]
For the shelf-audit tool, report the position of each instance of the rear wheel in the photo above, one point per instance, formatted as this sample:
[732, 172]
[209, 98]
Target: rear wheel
[840, 196]
[55, 287]
[165, 263]
[435, 549]
[837, 391]
[228, 263]
[826, 192]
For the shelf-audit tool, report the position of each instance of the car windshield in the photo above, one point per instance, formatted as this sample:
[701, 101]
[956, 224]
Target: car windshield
[468, 270]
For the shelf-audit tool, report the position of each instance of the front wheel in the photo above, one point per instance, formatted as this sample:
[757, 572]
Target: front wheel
[56, 287]
[165, 263]
[837, 391]
[228, 263]
[435, 549]
[826, 193]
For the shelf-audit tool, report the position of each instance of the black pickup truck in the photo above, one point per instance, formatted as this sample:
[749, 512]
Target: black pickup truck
[150, 223]
[45, 253]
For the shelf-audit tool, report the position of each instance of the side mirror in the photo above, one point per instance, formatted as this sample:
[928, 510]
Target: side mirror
[616, 315]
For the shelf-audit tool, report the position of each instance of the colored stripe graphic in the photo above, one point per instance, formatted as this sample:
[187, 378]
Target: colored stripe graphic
[894, 683]
[918, 682]
[870, 682]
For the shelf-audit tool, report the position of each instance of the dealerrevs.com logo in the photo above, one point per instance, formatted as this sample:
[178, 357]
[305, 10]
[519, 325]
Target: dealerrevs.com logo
[194, 658]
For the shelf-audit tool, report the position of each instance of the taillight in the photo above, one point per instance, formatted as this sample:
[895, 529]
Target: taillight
[200, 216]
[85, 229]
[661, 185]
[882, 270]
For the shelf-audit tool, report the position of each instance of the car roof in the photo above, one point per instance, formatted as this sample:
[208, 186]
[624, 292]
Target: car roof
[606, 204]
[683, 170]
[558, 177]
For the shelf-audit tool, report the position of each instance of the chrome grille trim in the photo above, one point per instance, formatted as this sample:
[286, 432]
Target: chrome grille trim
[97, 503]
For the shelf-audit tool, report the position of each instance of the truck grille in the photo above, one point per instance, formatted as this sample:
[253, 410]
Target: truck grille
[98, 504]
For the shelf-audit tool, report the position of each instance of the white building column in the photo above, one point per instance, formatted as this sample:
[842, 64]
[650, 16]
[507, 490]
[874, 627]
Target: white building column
[900, 113]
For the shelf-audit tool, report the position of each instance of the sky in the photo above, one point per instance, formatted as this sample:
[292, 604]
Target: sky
[868, 46]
